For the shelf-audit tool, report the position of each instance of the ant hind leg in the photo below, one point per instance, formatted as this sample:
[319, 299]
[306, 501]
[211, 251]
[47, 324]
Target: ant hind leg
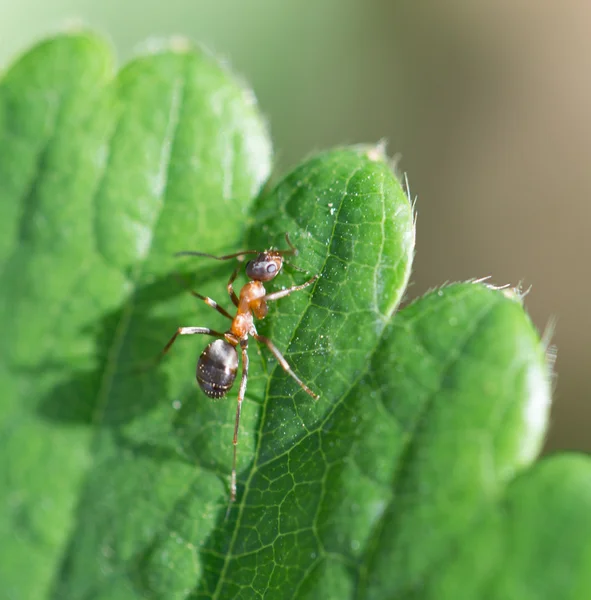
[241, 394]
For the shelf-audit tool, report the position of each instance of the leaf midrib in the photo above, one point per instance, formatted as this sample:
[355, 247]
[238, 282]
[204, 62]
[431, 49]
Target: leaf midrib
[336, 405]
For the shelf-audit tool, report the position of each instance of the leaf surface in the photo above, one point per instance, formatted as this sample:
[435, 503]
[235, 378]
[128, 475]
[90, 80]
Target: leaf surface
[412, 476]
[104, 176]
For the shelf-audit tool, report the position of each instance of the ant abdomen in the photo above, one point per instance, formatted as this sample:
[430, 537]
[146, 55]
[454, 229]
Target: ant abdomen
[216, 368]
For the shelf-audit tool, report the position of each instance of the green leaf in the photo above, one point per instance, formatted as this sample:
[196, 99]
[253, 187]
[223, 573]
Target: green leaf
[412, 476]
[355, 227]
[103, 178]
[469, 397]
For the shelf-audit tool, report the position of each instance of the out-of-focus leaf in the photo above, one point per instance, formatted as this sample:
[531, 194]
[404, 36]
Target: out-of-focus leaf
[103, 176]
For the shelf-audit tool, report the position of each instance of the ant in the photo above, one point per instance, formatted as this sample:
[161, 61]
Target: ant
[218, 364]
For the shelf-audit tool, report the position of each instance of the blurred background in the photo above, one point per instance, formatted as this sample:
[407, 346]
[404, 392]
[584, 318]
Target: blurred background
[488, 105]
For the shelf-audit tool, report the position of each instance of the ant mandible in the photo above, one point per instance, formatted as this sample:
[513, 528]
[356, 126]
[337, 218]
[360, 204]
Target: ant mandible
[218, 364]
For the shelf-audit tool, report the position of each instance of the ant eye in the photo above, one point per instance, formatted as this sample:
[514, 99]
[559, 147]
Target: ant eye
[271, 268]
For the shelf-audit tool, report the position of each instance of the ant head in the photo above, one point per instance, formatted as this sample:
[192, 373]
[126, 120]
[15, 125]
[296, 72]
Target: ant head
[265, 266]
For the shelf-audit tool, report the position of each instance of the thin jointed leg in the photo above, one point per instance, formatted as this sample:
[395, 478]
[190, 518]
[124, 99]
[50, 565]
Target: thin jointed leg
[288, 291]
[284, 364]
[211, 302]
[241, 393]
[188, 331]
[230, 286]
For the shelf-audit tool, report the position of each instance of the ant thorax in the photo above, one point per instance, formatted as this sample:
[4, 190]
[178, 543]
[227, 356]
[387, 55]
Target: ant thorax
[250, 304]
[251, 299]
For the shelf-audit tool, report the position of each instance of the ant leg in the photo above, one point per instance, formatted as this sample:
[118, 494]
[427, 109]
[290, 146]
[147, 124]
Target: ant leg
[187, 331]
[281, 359]
[151, 363]
[230, 286]
[241, 393]
[209, 301]
[288, 291]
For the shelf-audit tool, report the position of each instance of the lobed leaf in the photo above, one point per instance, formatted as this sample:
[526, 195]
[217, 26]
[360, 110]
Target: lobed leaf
[103, 178]
[413, 475]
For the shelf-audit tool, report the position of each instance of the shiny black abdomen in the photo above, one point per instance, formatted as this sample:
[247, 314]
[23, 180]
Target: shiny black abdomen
[216, 368]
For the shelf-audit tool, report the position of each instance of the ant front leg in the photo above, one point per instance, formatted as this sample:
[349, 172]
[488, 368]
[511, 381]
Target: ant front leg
[241, 394]
[284, 364]
[288, 291]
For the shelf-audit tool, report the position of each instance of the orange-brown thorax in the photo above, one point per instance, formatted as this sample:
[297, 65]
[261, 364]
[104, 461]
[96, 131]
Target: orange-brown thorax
[250, 303]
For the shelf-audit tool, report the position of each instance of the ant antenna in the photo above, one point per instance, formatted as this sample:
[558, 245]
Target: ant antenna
[238, 255]
[292, 266]
[292, 251]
